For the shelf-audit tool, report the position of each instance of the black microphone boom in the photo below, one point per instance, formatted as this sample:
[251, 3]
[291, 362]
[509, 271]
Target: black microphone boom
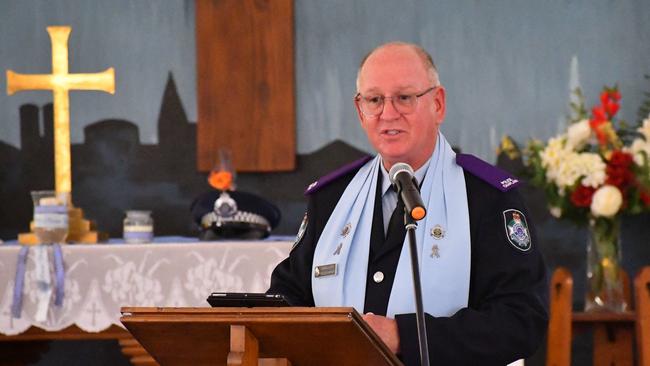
[403, 177]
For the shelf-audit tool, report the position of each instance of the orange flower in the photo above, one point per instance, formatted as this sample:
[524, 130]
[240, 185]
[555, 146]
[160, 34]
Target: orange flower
[597, 125]
[221, 180]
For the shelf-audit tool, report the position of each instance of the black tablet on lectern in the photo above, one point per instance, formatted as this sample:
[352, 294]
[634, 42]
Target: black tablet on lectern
[246, 300]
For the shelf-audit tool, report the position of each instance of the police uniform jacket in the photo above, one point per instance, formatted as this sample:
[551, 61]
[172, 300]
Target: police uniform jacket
[506, 317]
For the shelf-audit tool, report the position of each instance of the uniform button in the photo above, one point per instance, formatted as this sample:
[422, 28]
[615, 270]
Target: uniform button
[378, 277]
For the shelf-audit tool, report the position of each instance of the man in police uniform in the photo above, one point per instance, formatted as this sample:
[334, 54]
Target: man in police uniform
[483, 278]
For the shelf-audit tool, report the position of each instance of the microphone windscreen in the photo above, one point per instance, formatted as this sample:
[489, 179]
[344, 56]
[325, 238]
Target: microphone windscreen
[398, 168]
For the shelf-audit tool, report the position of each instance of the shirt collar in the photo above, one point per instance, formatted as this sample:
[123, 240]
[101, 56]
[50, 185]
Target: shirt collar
[385, 179]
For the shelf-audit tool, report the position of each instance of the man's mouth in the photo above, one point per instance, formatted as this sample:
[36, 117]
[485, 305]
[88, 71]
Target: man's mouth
[391, 132]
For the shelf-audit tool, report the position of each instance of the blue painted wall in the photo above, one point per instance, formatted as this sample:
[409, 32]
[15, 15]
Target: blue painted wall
[506, 64]
[142, 40]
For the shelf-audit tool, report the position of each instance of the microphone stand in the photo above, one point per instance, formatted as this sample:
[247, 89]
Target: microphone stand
[410, 224]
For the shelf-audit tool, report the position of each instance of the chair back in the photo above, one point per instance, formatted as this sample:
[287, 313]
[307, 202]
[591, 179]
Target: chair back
[642, 305]
[558, 346]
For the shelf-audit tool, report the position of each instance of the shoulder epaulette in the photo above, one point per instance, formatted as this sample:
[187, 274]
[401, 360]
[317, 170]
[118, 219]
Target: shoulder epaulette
[496, 177]
[329, 178]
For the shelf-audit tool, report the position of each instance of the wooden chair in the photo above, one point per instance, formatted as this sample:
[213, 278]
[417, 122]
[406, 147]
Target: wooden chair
[558, 346]
[642, 303]
[561, 319]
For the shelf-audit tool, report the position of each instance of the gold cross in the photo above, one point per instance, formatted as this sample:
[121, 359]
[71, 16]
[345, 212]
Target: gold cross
[60, 82]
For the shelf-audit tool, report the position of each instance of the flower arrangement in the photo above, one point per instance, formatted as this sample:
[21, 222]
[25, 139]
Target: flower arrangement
[598, 169]
[593, 173]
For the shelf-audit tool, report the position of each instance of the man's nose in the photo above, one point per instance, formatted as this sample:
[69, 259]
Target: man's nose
[389, 111]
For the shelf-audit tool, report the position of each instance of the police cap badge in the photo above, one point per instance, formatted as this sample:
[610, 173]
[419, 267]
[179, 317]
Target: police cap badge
[233, 215]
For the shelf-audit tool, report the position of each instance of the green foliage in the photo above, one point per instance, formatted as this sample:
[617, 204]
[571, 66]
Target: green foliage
[578, 110]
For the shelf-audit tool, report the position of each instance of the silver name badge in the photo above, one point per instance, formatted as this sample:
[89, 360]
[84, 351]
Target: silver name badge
[325, 270]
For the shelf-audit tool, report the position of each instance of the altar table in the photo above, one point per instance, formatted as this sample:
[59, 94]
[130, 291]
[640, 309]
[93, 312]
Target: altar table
[100, 279]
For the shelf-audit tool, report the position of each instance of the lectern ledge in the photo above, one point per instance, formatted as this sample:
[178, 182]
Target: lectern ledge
[256, 336]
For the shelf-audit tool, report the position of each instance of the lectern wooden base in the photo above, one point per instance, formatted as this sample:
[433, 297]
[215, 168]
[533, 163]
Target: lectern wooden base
[80, 231]
[245, 350]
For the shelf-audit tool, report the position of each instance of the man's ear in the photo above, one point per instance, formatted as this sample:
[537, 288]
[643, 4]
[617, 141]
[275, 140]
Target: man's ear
[359, 113]
[439, 102]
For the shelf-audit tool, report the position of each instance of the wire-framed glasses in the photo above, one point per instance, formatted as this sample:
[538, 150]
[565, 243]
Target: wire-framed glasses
[373, 105]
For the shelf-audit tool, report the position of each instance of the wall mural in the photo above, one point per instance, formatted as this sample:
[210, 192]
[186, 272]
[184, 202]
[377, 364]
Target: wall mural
[508, 69]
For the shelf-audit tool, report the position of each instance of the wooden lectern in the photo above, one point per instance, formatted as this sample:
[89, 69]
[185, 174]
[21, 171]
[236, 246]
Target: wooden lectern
[290, 336]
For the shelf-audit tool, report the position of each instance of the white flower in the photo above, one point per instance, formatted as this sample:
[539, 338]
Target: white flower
[577, 134]
[637, 149]
[593, 170]
[555, 211]
[552, 156]
[606, 201]
[573, 166]
[568, 170]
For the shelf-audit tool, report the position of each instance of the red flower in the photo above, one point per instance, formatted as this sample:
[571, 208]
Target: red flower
[621, 158]
[619, 177]
[604, 97]
[645, 198]
[581, 197]
[615, 95]
[599, 113]
[618, 170]
[611, 107]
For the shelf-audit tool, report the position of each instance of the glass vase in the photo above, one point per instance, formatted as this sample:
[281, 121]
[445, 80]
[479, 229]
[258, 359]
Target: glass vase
[604, 279]
[50, 216]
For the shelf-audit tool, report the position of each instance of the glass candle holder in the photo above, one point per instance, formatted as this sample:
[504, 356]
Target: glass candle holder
[138, 227]
[50, 216]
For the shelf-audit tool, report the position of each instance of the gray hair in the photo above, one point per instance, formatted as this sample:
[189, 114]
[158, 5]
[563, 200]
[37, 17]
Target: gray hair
[426, 58]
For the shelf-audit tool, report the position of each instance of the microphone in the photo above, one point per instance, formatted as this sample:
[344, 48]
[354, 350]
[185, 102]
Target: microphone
[403, 177]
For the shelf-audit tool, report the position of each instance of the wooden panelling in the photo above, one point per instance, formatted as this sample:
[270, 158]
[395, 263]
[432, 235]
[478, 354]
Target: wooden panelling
[246, 97]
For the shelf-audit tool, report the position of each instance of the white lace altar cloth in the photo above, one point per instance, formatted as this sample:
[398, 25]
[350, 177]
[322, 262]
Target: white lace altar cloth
[99, 279]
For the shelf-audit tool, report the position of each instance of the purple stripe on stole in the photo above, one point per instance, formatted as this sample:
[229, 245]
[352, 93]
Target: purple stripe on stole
[328, 178]
[59, 275]
[19, 282]
[494, 176]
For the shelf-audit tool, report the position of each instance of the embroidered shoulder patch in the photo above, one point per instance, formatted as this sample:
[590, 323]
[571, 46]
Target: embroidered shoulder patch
[301, 232]
[517, 231]
[331, 177]
[494, 176]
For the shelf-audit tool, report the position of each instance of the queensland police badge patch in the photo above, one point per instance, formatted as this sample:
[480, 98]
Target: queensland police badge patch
[517, 230]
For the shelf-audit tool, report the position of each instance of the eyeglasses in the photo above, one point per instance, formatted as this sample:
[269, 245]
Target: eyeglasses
[373, 105]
